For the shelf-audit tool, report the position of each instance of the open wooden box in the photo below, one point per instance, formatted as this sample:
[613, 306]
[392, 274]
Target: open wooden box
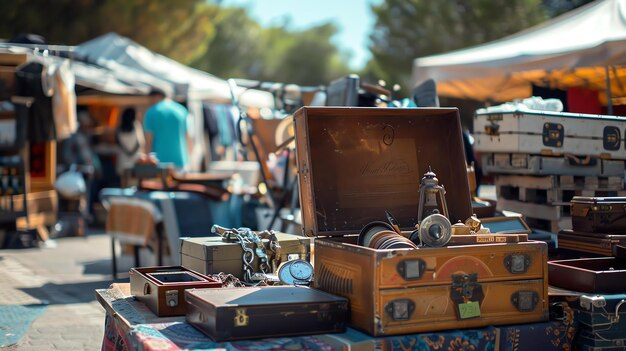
[591, 275]
[162, 288]
[355, 163]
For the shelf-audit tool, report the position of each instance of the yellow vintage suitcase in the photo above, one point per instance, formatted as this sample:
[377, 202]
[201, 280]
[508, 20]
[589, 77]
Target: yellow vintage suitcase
[355, 163]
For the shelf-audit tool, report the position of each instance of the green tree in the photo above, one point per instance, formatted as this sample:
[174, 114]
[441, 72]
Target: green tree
[234, 49]
[242, 48]
[179, 29]
[407, 29]
[304, 57]
[224, 41]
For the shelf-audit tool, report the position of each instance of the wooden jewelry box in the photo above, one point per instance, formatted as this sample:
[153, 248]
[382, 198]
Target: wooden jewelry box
[162, 288]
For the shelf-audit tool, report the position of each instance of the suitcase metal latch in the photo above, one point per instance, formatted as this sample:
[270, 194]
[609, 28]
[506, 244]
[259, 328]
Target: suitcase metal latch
[525, 301]
[171, 298]
[467, 295]
[517, 263]
[411, 269]
[241, 318]
[553, 134]
[400, 310]
[492, 129]
[611, 138]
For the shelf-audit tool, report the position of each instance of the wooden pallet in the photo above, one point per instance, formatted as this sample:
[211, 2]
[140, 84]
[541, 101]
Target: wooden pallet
[533, 210]
[545, 200]
[553, 226]
[562, 182]
[553, 196]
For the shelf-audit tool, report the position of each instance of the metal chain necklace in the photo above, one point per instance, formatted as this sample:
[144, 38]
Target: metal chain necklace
[252, 245]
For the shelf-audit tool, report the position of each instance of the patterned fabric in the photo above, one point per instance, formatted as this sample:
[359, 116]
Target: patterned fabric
[454, 340]
[182, 336]
[114, 338]
[175, 336]
[554, 335]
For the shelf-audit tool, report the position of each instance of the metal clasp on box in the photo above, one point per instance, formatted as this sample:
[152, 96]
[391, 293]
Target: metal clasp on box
[517, 263]
[553, 134]
[241, 318]
[400, 310]
[467, 295]
[525, 301]
[492, 129]
[411, 269]
[171, 298]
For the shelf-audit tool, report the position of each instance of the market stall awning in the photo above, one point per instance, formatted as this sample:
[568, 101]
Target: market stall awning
[576, 49]
[138, 64]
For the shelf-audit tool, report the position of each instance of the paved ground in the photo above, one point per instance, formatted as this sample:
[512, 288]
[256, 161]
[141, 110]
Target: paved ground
[63, 278]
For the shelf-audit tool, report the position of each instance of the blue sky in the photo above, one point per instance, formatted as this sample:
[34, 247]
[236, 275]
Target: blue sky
[353, 18]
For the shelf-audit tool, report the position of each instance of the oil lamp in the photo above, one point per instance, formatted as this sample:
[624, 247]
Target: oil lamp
[432, 197]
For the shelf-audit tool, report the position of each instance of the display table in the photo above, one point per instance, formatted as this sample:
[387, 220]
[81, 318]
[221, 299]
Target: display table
[130, 325]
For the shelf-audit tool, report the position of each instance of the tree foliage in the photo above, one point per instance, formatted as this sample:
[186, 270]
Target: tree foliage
[180, 29]
[407, 29]
[234, 49]
[224, 41]
[304, 57]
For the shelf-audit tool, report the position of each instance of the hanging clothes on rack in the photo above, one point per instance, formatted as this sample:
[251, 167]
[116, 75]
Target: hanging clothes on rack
[32, 79]
[64, 100]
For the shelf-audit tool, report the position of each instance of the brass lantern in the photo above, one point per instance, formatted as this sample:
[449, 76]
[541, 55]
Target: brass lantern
[432, 197]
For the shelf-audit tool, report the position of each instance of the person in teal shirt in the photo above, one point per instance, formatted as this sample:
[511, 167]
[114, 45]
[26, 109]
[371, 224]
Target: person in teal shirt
[165, 129]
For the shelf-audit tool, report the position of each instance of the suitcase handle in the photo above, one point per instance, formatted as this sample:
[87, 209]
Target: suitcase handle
[617, 307]
[588, 161]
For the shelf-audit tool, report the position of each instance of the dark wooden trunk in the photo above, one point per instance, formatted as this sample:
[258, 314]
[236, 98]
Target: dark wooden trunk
[592, 243]
[599, 214]
[265, 312]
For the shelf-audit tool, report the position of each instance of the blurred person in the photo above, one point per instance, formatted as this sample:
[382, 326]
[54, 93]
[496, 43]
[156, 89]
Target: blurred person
[130, 141]
[77, 153]
[165, 129]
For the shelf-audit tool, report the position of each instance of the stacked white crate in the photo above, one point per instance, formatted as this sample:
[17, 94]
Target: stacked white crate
[540, 160]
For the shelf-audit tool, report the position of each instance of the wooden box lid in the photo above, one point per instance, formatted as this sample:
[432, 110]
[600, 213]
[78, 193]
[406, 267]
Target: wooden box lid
[355, 163]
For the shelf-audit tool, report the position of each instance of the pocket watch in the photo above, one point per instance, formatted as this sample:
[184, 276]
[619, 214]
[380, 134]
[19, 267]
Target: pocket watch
[295, 272]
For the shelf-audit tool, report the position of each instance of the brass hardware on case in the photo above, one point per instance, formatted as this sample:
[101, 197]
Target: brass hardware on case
[492, 129]
[525, 301]
[553, 134]
[411, 269]
[517, 263]
[400, 310]
[467, 295]
[241, 318]
[146, 289]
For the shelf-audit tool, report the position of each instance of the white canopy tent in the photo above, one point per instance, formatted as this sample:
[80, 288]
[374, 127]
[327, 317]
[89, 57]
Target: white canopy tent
[137, 63]
[577, 49]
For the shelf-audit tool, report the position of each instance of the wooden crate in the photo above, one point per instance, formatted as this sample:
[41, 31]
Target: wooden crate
[553, 226]
[42, 160]
[554, 196]
[534, 210]
[7, 82]
[11, 59]
[563, 182]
